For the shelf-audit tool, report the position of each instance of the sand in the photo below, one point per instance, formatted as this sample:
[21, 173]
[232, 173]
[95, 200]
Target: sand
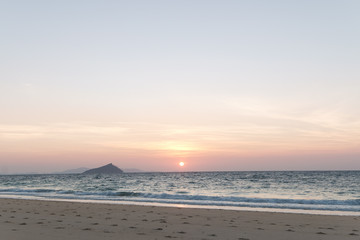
[35, 220]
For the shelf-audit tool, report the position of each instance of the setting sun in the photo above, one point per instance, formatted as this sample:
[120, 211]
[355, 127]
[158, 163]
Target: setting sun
[181, 164]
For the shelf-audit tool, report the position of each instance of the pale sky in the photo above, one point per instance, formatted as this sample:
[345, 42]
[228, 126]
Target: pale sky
[220, 85]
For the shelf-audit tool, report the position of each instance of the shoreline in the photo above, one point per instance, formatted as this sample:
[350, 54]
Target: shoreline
[34, 219]
[156, 204]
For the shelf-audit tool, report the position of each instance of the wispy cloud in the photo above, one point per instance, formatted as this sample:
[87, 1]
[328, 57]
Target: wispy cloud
[246, 134]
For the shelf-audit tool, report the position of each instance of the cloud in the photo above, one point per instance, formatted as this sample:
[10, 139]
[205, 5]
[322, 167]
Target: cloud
[250, 131]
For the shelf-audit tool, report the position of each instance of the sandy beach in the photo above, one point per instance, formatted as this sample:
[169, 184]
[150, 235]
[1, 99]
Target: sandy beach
[34, 219]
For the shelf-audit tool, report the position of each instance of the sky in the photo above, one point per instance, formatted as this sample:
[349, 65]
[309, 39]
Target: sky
[220, 85]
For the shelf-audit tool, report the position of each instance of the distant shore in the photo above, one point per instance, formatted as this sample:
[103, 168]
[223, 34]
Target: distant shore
[35, 219]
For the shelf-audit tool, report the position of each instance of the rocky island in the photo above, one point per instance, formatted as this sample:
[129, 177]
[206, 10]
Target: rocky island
[107, 169]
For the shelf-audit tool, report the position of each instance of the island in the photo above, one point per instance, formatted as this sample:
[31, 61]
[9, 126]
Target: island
[107, 169]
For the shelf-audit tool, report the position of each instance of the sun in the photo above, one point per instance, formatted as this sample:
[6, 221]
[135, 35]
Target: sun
[181, 164]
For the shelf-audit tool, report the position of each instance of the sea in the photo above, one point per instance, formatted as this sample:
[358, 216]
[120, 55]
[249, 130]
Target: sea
[309, 192]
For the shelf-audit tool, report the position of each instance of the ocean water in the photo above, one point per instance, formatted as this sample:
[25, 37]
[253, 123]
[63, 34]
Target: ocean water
[329, 192]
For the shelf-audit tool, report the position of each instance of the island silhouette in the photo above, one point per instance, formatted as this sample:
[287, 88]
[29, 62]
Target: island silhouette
[107, 169]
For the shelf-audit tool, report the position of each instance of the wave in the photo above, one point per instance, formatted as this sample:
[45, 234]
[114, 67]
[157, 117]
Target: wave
[20, 190]
[183, 198]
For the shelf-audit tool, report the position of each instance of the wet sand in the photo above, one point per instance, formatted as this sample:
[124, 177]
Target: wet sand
[34, 220]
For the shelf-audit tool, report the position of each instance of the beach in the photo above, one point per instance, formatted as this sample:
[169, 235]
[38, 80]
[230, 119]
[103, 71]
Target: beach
[38, 219]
